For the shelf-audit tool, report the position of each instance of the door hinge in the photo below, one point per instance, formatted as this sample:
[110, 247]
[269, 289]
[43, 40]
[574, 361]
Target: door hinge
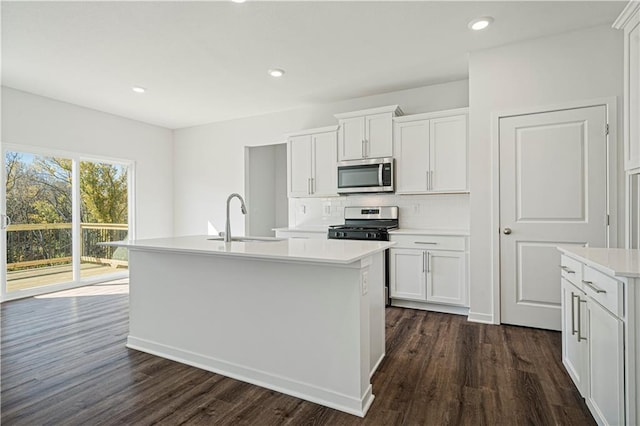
[606, 129]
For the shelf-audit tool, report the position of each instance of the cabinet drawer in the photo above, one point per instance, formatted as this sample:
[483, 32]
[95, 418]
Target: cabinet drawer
[429, 242]
[571, 270]
[604, 289]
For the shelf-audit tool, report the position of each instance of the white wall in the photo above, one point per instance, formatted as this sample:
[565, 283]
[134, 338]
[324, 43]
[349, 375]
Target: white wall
[575, 66]
[34, 121]
[208, 161]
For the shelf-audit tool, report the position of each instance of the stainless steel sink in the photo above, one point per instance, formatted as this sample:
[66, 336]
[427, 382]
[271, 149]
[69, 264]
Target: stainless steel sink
[248, 239]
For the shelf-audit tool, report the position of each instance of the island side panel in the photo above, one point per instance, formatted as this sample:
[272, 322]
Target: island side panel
[377, 309]
[299, 328]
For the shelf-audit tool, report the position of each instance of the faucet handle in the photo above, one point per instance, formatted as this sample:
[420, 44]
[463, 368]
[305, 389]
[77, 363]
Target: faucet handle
[221, 234]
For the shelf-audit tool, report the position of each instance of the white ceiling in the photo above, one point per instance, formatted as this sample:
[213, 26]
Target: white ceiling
[207, 61]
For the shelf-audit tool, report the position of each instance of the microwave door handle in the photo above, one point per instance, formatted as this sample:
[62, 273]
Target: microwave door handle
[380, 182]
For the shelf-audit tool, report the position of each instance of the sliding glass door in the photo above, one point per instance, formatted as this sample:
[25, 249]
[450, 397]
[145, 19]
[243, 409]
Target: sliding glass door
[56, 209]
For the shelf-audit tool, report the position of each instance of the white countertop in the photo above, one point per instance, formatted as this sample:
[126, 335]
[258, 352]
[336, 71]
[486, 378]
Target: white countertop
[432, 231]
[611, 261]
[305, 250]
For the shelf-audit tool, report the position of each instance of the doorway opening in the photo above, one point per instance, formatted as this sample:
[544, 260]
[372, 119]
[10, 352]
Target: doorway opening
[265, 176]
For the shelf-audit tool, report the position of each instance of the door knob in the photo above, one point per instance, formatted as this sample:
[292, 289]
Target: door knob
[507, 231]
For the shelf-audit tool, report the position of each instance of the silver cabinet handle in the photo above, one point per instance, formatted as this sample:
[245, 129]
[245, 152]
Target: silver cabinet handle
[573, 314]
[366, 148]
[425, 242]
[313, 185]
[362, 148]
[580, 338]
[428, 262]
[6, 221]
[506, 231]
[567, 270]
[309, 186]
[431, 180]
[593, 287]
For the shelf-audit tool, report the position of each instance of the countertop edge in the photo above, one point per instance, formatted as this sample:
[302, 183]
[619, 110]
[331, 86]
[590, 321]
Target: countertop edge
[597, 265]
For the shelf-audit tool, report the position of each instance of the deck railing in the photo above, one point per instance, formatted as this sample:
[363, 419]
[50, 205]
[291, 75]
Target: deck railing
[48, 244]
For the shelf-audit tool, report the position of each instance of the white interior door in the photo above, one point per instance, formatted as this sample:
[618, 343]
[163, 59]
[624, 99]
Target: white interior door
[553, 191]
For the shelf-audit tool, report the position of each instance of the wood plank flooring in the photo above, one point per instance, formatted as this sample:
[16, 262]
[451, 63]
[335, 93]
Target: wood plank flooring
[64, 362]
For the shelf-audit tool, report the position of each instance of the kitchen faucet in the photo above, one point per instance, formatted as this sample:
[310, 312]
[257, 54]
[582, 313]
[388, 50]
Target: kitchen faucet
[227, 232]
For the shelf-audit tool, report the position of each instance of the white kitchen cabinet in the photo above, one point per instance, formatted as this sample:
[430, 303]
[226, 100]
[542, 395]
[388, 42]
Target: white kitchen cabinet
[431, 152]
[408, 274]
[429, 272]
[446, 281]
[312, 163]
[366, 133]
[600, 330]
[574, 340]
[629, 21]
[605, 395]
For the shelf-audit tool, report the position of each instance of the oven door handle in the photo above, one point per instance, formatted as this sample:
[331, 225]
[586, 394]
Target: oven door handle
[380, 183]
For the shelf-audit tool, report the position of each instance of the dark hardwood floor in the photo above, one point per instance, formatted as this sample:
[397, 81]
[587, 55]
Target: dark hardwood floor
[64, 363]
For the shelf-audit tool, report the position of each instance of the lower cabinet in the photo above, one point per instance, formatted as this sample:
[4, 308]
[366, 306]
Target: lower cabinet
[605, 366]
[430, 275]
[574, 340]
[594, 340]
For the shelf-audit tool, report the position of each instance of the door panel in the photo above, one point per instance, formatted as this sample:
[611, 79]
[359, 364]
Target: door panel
[300, 165]
[407, 274]
[411, 151]
[446, 281]
[557, 194]
[351, 137]
[324, 166]
[448, 153]
[379, 132]
[553, 176]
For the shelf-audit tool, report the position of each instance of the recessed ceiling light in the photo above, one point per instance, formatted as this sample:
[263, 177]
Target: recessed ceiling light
[138, 89]
[238, 1]
[480, 23]
[276, 72]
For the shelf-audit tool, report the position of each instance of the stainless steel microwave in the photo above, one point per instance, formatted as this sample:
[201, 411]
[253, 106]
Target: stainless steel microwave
[368, 175]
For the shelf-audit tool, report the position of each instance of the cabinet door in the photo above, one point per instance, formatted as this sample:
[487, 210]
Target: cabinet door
[351, 139]
[379, 135]
[407, 274]
[574, 349]
[446, 277]
[448, 153]
[324, 164]
[299, 166]
[605, 339]
[411, 152]
[632, 116]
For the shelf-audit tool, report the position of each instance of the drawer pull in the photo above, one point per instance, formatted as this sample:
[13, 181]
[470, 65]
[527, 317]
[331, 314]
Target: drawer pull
[593, 287]
[425, 242]
[567, 270]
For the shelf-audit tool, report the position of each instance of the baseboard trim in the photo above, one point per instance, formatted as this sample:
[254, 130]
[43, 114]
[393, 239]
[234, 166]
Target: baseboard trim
[481, 318]
[445, 309]
[348, 404]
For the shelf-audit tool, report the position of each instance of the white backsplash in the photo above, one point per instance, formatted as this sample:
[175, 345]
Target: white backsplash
[416, 211]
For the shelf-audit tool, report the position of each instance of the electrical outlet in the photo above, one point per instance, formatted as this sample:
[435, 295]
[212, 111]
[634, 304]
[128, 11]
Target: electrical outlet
[365, 283]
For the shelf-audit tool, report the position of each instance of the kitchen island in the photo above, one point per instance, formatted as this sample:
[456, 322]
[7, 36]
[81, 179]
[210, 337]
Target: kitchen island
[302, 317]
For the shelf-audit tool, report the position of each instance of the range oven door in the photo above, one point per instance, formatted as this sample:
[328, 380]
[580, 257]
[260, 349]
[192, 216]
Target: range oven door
[370, 175]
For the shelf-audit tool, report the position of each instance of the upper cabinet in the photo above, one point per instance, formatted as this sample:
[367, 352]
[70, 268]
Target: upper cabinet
[430, 151]
[366, 133]
[312, 162]
[629, 20]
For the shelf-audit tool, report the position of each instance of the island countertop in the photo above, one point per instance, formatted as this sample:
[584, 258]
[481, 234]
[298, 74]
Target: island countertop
[615, 262]
[294, 250]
